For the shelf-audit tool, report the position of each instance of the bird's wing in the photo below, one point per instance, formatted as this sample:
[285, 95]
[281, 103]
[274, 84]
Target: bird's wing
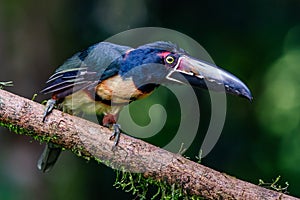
[85, 69]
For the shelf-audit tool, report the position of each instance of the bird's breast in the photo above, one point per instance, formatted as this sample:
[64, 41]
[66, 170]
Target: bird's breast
[82, 102]
[119, 90]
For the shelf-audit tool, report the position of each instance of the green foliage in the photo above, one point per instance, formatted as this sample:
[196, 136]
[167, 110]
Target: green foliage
[274, 185]
[140, 186]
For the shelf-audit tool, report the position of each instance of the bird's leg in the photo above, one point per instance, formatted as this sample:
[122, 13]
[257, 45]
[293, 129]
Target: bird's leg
[109, 120]
[51, 151]
[49, 107]
[116, 134]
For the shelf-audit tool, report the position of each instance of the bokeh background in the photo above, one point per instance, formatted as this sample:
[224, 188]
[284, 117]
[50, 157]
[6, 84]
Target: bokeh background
[259, 41]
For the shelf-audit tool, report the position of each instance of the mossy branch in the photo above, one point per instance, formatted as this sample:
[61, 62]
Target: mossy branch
[91, 141]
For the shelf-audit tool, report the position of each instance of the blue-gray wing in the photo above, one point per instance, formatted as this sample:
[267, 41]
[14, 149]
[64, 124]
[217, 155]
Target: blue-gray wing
[86, 69]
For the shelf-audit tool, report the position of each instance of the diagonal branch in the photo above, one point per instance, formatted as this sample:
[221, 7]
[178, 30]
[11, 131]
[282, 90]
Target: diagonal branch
[91, 140]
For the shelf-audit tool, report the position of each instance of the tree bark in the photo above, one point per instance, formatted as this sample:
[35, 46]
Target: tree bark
[91, 140]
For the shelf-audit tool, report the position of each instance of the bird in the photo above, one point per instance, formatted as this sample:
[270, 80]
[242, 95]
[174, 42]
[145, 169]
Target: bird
[105, 77]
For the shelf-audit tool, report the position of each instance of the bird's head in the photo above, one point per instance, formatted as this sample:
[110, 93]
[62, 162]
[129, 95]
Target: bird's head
[163, 62]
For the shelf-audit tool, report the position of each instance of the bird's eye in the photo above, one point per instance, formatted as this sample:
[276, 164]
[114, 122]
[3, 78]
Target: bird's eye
[170, 59]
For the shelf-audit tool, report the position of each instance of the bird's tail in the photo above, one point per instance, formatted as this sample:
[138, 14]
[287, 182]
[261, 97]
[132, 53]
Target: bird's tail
[48, 157]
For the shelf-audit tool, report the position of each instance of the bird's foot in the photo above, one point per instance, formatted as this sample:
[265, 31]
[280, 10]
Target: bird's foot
[49, 107]
[116, 134]
[109, 120]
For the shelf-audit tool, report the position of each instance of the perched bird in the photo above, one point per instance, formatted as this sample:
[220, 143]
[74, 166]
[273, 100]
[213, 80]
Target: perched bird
[106, 76]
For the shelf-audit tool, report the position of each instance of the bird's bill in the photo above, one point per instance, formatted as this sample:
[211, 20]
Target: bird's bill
[205, 75]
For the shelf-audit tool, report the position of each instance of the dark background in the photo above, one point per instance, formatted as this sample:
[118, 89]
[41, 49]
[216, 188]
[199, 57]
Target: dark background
[259, 41]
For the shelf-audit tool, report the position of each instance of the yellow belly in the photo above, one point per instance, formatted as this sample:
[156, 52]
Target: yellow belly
[119, 90]
[82, 102]
[116, 90]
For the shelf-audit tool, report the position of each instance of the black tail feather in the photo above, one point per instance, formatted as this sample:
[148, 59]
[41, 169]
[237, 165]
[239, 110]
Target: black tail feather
[48, 157]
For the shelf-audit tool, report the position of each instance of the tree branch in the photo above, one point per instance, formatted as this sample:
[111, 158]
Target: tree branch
[134, 155]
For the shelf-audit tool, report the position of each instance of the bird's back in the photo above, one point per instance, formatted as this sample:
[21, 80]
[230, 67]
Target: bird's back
[85, 69]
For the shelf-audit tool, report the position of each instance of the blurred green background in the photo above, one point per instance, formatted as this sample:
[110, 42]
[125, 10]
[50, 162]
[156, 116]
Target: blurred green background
[259, 41]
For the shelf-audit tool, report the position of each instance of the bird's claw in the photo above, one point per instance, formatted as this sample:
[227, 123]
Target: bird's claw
[49, 107]
[116, 134]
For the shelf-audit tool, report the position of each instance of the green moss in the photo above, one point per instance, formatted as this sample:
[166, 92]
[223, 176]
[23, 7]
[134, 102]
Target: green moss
[16, 129]
[274, 185]
[98, 160]
[33, 97]
[22, 131]
[148, 188]
[78, 151]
